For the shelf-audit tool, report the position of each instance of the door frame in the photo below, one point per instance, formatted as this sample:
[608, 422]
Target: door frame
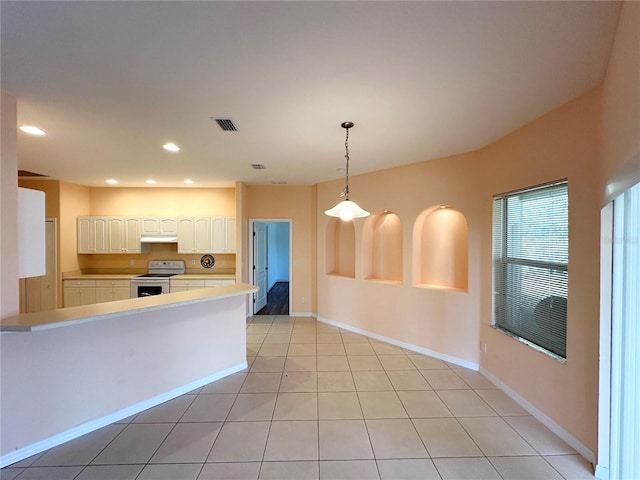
[251, 254]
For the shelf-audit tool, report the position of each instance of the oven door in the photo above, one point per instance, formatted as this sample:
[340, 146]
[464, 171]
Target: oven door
[146, 288]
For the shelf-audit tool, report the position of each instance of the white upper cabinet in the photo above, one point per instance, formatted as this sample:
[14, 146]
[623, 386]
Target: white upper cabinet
[223, 235]
[194, 235]
[218, 235]
[92, 235]
[159, 226]
[231, 235]
[124, 235]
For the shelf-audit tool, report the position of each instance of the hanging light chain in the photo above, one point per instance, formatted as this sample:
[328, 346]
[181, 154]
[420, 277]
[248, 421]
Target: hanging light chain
[346, 182]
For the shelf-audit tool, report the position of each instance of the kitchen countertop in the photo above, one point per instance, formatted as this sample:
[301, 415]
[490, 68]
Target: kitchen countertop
[64, 317]
[206, 276]
[97, 276]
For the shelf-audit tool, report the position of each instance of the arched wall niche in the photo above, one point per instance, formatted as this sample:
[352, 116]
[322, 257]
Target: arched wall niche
[340, 245]
[441, 249]
[382, 247]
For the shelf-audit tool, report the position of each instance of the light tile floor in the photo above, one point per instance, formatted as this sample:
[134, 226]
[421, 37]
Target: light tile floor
[318, 402]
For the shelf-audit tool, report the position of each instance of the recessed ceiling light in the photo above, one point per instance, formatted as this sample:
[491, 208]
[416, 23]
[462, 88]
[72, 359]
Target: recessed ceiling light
[112, 181]
[150, 182]
[32, 130]
[188, 181]
[171, 147]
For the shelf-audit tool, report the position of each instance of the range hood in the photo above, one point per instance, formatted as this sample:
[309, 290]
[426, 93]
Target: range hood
[159, 239]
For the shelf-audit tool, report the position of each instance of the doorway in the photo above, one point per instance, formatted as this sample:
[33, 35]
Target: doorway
[270, 263]
[619, 388]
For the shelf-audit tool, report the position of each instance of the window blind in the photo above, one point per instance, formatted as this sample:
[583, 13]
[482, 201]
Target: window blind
[530, 265]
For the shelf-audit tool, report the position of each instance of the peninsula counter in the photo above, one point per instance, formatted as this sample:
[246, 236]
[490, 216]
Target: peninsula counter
[66, 372]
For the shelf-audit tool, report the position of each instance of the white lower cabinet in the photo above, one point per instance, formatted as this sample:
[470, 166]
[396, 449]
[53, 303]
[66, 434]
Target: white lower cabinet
[219, 282]
[79, 292]
[87, 292]
[182, 285]
[110, 290]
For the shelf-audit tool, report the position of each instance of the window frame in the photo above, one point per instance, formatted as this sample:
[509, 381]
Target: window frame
[501, 258]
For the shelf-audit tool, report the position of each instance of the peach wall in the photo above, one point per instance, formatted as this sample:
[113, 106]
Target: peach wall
[382, 247]
[561, 144]
[74, 202]
[158, 202]
[299, 205]
[442, 321]
[9, 303]
[621, 108]
[564, 143]
[443, 246]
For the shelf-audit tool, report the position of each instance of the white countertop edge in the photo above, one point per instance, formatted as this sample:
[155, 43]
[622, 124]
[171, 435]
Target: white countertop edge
[65, 317]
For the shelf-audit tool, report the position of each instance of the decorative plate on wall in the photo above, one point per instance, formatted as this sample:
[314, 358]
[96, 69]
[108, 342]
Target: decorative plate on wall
[207, 261]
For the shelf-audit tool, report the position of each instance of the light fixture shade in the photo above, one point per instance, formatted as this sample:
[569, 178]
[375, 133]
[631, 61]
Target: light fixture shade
[346, 210]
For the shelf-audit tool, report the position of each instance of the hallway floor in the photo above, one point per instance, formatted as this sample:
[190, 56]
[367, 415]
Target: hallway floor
[318, 402]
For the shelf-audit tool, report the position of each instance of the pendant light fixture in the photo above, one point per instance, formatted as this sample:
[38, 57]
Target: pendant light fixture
[346, 209]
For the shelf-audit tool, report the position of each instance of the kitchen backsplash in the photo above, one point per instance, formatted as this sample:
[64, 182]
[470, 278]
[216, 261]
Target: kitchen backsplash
[120, 263]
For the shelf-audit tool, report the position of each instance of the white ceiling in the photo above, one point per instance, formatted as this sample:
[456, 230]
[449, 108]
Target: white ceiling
[110, 82]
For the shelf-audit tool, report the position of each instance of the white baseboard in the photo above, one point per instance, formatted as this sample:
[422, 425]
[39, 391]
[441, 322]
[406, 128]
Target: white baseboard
[302, 314]
[408, 346]
[60, 438]
[544, 419]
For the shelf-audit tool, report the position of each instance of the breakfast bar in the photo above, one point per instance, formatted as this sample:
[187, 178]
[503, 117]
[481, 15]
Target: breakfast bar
[70, 371]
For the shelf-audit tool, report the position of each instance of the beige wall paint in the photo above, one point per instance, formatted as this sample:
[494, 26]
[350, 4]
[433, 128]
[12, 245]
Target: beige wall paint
[74, 202]
[9, 299]
[299, 205]
[439, 320]
[562, 144]
[621, 108]
[156, 202]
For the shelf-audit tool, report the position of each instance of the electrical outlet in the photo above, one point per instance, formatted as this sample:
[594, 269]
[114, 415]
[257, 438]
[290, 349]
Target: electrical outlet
[193, 262]
[483, 347]
[301, 299]
[131, 262]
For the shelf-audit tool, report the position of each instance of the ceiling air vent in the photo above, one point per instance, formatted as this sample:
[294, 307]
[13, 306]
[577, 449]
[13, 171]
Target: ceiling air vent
[258, 166]
[279, 182]
[225, 124]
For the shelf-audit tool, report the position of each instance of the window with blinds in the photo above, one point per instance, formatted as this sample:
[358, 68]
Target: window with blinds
[530, 265]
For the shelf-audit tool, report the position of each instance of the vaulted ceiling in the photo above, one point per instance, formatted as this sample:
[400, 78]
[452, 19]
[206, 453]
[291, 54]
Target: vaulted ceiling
[111, 82]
